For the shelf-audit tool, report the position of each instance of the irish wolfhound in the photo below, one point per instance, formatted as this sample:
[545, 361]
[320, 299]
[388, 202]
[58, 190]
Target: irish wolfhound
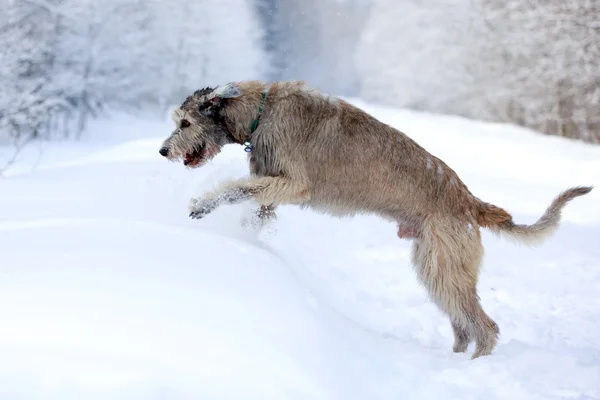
[321, 152]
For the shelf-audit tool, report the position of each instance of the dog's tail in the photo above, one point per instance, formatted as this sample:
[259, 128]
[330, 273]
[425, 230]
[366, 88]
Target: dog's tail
[501, 223]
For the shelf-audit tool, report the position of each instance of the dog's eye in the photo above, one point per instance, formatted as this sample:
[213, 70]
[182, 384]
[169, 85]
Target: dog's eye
[185, 123]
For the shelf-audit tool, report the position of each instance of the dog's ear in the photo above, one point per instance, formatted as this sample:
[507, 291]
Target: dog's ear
[216, 100]
[228, 91]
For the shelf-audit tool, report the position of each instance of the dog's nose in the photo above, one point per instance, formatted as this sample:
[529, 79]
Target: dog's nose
[164, 151]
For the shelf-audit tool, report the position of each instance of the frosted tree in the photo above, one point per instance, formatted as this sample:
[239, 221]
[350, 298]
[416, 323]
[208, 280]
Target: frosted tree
[547, 55]
[101, 56]
[532, 63]
[412, 53]
[64, 61]
[28, 99]
[207, 44]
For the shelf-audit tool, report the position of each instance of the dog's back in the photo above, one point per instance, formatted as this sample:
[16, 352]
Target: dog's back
[353, 162]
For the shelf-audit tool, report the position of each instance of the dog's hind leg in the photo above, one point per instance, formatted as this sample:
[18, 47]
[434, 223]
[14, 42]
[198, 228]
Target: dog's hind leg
[268, 191]
[447, 261]
[462, 337]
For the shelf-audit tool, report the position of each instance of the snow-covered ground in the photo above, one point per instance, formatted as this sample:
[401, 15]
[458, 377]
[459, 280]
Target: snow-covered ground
[109, 291]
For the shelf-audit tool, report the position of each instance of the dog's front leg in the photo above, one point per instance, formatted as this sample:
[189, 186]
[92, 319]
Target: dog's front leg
[266, 190]
[200, 208]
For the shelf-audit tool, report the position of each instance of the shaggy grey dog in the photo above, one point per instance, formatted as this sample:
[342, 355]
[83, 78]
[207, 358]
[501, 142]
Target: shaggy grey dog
[321, 152]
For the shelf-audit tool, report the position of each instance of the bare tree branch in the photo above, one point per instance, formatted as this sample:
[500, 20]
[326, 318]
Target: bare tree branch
[18, 149]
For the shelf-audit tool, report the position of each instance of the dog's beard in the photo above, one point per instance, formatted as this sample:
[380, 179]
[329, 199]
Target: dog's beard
[200, 155]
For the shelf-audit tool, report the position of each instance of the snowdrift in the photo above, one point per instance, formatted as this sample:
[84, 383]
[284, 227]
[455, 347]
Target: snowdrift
[108, 290]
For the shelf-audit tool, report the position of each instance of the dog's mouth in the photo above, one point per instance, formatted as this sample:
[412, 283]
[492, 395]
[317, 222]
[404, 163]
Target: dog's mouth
[199, 156]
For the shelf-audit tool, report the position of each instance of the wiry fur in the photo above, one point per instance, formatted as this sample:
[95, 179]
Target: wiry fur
[500, 222]
[321, 152]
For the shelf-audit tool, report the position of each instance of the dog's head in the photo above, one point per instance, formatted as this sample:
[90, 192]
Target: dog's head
[200, 126]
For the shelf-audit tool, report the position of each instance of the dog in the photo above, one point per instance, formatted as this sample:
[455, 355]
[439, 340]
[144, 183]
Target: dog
[320, 152]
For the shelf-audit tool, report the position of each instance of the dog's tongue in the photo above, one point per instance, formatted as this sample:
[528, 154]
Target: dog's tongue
[197, 157]
[193, 159]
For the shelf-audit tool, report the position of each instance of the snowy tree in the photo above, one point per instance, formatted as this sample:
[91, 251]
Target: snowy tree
[203, 43]
[64, 61]
[531, 63]
[546, 55]
[28, 33]
[98, 52]
[411, 53]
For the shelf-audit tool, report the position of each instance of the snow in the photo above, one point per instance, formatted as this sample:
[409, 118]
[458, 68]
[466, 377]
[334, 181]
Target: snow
[109, 290]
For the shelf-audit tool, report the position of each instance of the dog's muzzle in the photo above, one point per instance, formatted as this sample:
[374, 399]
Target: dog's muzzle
[164, 152]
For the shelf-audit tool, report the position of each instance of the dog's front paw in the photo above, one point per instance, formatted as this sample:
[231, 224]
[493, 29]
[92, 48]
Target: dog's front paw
[199, 214]
[201, 208]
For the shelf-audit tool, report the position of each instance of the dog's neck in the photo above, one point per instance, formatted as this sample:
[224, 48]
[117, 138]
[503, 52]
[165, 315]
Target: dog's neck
[255, 122]
[246, 113]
